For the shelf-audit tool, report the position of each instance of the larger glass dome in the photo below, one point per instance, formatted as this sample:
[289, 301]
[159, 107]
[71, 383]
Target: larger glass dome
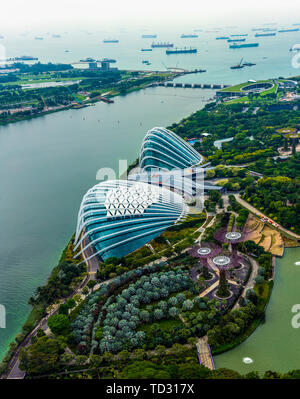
[117, 217]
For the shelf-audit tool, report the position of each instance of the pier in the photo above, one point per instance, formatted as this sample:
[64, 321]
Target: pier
[204, 353]
[190, 85]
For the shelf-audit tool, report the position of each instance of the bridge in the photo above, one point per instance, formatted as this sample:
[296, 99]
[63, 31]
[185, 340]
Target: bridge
[204, 353]
[190, 85]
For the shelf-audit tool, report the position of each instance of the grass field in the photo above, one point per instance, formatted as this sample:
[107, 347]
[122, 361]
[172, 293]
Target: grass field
[165, 325]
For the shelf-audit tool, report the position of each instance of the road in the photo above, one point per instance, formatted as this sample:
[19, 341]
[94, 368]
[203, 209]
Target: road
[260, 214]
[93, 263]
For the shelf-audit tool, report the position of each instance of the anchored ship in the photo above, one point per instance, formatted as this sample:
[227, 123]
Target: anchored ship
[248, 64]
[239, 35]
[159, 45]
[149, 36]
[265, 34]
[146, 49]
[23, 58]
[288, 30]
[183, 36]
[236, 40]
[222, 38]
[235, 45]
[110, 41]
[182, 51]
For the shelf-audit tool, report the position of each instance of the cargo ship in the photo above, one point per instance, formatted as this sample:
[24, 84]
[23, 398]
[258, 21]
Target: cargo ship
[149, 36]
[183, 36]
[265, 34]
[23, 58]
[182, 51]
[239, 35]
[296, 47]
[162, 45]
[248, 64]
[235, 45]
[111, 60]
[110, 41]
[146, 49]
[236, 40]
[87, 60]
[222, 38]
[288, 30]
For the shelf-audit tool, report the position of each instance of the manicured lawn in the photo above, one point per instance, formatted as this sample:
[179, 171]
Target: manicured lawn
[166, 325]
[237, 100]
[240, 85]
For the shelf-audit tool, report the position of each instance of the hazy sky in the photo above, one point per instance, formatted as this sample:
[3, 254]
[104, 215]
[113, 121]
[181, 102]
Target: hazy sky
[31, 14]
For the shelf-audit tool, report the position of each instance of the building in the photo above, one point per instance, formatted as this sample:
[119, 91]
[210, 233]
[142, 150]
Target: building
[165, 150]
[117, 217]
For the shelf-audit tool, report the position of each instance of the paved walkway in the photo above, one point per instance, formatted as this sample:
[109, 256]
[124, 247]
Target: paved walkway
[93, 263]
[204, 353]
[251, 281]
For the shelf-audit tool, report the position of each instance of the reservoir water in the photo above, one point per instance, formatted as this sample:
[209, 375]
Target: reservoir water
[275, 345]
[46, 166]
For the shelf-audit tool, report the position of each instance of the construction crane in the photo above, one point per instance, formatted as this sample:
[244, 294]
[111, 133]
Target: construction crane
[45, 105]
[74, 96]
[164, 65]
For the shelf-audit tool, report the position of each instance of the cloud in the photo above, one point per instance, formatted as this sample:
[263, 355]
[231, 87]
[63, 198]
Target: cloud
[19, 13]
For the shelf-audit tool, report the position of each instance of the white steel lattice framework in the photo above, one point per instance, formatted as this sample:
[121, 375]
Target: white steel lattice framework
[120, 216]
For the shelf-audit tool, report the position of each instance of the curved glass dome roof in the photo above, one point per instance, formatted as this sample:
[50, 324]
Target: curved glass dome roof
[163, 149]
[117, 217]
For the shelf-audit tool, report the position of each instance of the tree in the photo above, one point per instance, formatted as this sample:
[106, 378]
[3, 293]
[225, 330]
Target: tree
[259, 279]
[63, 309]
[251, 296]
[194, 371]
[139, 354]
[144, 369]
[81, 359]
[58, 324]
[71, 303]
[158, 314]
[67, 358]
[124, 355]
[41, 357]
[96, 361]
[188, 304]
[173, 311]
[91, 284]
[40, 333]
[160, 349]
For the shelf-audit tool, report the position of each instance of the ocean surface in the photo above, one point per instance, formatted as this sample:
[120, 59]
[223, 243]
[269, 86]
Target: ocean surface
[272, 57]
